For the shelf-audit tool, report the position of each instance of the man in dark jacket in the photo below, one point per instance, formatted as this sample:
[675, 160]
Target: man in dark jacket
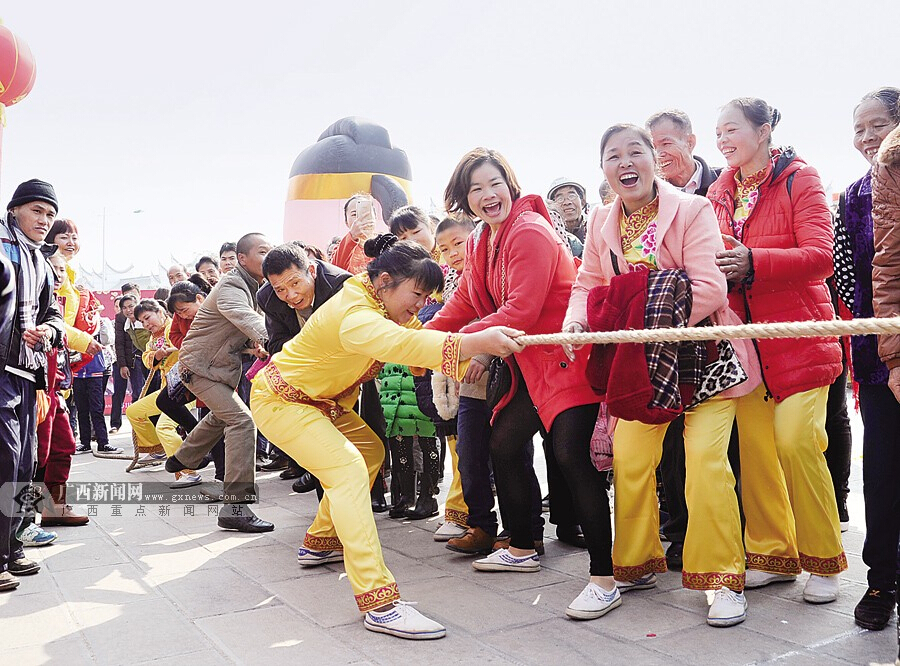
[36, 326]
[297, 286]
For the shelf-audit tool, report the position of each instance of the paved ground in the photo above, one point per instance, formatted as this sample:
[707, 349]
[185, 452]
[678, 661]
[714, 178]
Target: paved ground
[176, 590]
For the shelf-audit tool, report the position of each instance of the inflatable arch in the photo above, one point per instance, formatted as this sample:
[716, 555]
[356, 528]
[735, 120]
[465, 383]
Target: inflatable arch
[352, 155]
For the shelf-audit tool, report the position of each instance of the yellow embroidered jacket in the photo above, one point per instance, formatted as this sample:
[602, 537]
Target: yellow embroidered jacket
[346, 341]
[157, 343]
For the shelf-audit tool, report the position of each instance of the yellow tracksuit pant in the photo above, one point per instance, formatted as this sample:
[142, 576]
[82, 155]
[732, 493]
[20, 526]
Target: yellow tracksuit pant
[148, 435]
[345, 455]
[713, 553]
[792, 519]
[455, 508]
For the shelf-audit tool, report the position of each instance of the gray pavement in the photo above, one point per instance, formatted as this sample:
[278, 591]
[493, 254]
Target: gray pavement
[174, 589]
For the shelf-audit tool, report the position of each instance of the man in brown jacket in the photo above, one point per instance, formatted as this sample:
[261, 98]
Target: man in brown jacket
[210, 366]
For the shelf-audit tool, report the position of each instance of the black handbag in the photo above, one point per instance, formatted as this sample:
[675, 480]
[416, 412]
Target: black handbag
[175, 387]
[499, 381]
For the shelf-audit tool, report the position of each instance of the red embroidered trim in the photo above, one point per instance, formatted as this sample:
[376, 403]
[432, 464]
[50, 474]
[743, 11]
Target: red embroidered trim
[376, 598]
[450, 356]
[457, 517]
[327, 406]
[773, 564]
[322, 543]
[634, 572]
[824, 566]
[712, 581]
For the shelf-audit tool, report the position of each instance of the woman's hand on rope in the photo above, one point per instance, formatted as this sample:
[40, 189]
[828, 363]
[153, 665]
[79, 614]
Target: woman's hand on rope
[496, 341]
[734, 263]
[894, 382]
[572, 327]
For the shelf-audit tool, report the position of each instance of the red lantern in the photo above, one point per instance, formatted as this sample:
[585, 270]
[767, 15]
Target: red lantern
[17, 68]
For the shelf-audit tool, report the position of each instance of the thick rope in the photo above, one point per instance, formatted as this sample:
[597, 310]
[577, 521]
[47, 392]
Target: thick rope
[812, 329]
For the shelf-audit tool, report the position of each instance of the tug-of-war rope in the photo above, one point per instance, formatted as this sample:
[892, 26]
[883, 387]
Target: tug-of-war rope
[811, 329]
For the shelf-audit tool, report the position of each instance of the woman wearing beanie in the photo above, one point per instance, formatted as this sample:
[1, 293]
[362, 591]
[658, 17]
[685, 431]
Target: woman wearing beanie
[304, 400]
[776, 225]
[519, 273]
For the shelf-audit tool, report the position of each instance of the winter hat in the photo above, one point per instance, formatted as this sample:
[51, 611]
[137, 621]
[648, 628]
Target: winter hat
[33, 190]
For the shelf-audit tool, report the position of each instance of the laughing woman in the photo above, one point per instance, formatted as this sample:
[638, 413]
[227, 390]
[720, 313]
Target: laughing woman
[653, 226]
[774, 216]
[519, 274]
[304, 401]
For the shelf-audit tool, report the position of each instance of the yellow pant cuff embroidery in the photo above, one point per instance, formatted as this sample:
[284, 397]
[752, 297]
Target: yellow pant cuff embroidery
[712, 581]
[773, 564]
[634, 572]
[824, 567]
[322, 543]
[377, 598]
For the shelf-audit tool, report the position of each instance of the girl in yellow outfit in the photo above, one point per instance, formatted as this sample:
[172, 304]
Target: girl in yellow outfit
[304, 401]
[161, 354]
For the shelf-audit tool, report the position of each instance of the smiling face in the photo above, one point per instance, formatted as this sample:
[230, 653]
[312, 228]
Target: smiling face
[741, 143]
[570, 203]
[68, 243]
[295, 287]
[402, 300]
[452, 244]
[675, 152]
[629, 165]
[489, 196]
[35, 219]
[871, 124]
[422, 235]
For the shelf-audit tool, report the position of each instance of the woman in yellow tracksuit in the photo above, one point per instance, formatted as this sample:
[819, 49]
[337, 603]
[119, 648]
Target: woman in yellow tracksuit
[304, 401]
[160, 354]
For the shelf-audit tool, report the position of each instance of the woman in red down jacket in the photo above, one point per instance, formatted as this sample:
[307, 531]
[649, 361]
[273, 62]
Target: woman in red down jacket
[519, 273]
[775, 219]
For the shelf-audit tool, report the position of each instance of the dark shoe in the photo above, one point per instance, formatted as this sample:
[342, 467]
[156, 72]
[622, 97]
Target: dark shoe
[8, 581]
[107, 449]
[23, 566]
[293, 471]
[277, 463]
[571, 535]
[83, 449]
[305, 484]
[205, 462]
[398, 509]
[545, 503]
[174, 465]
[261, 461]
[843, 516]
[874, 610]
[674, 557]
[380, 506]
[426, 506]
[242, 519]
[475, 541]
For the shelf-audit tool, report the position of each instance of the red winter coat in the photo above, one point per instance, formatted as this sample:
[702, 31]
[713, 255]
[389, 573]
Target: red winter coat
[792, 240]
[539, 272]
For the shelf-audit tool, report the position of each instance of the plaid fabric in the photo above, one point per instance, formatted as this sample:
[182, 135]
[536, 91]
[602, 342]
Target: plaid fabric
[669, 302]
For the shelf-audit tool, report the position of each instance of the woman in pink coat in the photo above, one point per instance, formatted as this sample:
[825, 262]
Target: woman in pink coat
[652, 226]
[518, 272]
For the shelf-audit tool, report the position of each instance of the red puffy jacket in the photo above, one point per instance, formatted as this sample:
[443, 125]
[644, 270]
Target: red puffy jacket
[790, 234]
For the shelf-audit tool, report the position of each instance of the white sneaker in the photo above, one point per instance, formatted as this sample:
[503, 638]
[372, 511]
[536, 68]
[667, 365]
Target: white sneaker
[593, 602]
[503, 561]
[448, 531]
[728, 608]
[35, 536]
[405, 622]
[185, 479]
[647, 581]
[758, 578]
[311, 558]
[819, 589]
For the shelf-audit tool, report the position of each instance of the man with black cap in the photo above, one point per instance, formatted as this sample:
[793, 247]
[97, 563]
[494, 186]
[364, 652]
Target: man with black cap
[36, 326]
[570, 197]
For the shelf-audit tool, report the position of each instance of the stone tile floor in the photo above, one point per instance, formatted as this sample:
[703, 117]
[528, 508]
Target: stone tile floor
[174, 589]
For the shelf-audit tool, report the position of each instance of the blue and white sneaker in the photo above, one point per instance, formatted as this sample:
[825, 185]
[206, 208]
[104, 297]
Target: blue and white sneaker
[647, 581]
[405, 622]
[310, 558]
[503, 561]
[35, 536]
[593, 602]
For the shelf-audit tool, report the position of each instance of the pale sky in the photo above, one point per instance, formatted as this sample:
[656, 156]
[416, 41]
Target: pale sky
[193, 112]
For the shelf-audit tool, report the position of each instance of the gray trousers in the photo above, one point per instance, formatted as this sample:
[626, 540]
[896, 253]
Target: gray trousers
[228, 415]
